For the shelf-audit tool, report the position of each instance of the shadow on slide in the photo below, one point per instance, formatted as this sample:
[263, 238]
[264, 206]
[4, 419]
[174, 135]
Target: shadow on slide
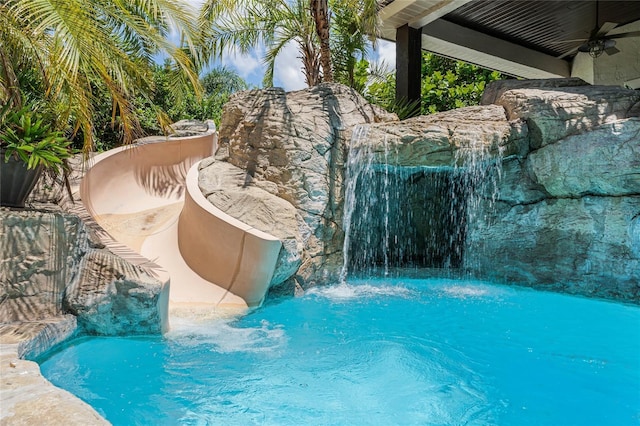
[146, 196]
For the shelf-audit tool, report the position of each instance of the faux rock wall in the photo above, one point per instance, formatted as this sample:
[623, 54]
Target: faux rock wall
[567, 211]
[52, 268]
[110, 296]
[40, 255]
[562, 210]
[280, 168]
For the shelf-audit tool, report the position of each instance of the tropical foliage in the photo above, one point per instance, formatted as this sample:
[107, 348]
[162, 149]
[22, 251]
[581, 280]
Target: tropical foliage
[243, 25]
[449, 84]
[446, 84]
[91, 67]
[76, 54]
[324, 49]
[354, 28]
[25, 135]
[217, 86]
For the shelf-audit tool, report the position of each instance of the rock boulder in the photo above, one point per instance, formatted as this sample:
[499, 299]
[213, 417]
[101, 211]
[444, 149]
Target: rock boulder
[554, 113]
[442, 139]
[293, 146]
[603, 161]
[112, 297]
[232, 191]
[541, 185]
[53, 267]
[566, 213]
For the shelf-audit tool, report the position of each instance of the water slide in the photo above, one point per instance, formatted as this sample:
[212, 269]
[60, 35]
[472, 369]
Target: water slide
[146, 196]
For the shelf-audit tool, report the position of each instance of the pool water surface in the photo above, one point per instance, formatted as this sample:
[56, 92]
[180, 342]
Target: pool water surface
[378, 352]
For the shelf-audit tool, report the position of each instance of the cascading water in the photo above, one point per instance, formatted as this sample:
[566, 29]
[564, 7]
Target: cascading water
[410, 217]
[478, 172]
[358, 161]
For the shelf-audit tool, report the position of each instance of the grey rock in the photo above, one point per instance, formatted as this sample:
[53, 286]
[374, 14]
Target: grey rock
[516, 186]
[233, 191]
[556, 113]
[30, 339]
[584, 246]
[494, 90]
[445, 139]
[113, 297]
[184, 128]
[548, 174]
[51, 268]
[603, 161]
[293, 145]
[41, 252]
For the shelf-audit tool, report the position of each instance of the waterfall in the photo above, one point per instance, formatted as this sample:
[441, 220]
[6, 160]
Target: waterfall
[478, 172]
[410, 217]
[358, 161]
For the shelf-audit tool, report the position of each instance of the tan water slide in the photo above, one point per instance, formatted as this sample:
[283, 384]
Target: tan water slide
[146, 196]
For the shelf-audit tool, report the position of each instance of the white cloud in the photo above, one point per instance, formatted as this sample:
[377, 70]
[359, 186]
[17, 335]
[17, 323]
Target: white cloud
[288, 69]
[249, 66]
[189, 6]
[385, 52]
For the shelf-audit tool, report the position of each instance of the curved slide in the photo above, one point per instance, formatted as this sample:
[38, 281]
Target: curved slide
[146, 196]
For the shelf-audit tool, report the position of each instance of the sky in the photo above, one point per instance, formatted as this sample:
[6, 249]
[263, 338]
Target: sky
[287, 72]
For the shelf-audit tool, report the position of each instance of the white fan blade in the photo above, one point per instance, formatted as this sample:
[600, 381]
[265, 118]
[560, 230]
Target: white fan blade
[605, 28]
[624, 35]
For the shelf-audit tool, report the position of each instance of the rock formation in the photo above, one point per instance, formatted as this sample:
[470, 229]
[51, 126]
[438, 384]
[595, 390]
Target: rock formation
[567, 212]
[555, 200]
[562, 209]
[52, 267]
[437, 140]
[280, 165]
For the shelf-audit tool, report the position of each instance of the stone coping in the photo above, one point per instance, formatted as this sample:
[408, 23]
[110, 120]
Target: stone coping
[30, 399]
[26, 397]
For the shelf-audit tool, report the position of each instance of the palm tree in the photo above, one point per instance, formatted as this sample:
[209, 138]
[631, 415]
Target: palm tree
[77, 45]
[354, 29]
[222, 80]
[320, 13]
[245, 24]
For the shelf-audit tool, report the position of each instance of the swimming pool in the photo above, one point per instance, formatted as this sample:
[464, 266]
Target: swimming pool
[380, 352]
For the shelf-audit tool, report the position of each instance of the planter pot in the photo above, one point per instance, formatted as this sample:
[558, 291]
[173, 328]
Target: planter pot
[16, 181]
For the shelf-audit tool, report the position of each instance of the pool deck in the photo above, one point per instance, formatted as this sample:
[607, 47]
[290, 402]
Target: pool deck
[27, 398]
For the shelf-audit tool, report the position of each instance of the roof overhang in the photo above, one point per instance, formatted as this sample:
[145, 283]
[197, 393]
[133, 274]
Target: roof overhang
[530, 39]
[452, 40]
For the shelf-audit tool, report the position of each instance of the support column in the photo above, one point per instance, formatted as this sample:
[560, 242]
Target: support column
[408, 65]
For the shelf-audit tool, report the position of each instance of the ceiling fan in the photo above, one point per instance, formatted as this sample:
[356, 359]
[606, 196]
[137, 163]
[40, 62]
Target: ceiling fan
[599, 41]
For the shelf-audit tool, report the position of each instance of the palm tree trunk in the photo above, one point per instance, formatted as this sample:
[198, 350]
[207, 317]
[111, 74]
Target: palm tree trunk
[310, 62]
[320, 13]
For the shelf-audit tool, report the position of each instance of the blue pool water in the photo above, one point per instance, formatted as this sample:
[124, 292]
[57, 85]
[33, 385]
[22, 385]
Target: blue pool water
[379, 352]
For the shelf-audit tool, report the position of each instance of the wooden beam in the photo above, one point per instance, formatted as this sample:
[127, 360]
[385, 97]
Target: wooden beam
[435, 10]
[408, 64]
[452, 40]
[394, 8]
